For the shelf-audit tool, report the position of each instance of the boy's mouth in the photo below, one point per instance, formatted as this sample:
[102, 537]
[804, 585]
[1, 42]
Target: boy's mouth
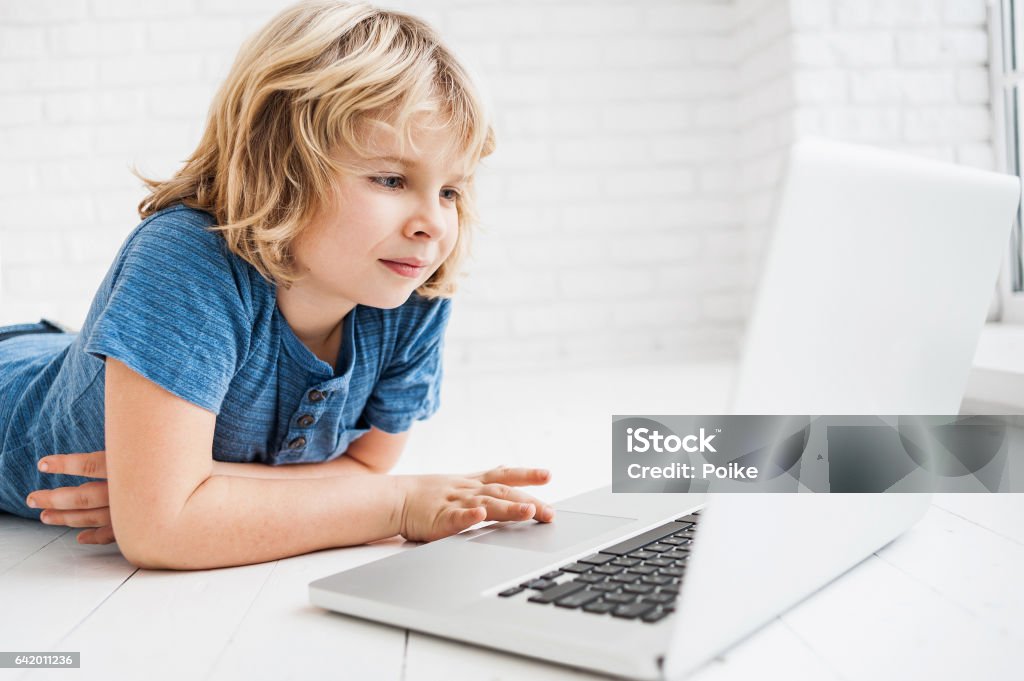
[406, 267]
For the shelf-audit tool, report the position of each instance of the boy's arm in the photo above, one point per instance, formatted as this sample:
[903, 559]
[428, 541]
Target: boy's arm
[375, 452]
[169, 509]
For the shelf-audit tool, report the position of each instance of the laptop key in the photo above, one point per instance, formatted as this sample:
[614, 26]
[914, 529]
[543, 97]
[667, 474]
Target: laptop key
[597, 559]
[539, 584]
[674, 540]
[552, 575]
[619, 598]
[654, 615]
[692, 518]
[604, 586]
[576, 567]
[624, 578]
[643, 555]
[599, 607]
[626, 562]
[638, 588]
[642, 570]
[589, 578]
[660, 580]
[673, 555]
[669, 589]
[578, 599]
[607, 569]
[556, 592]
[512, 592]
[671, 571]
[658, 562]
[658, 547]
[634, 543]
[659, 598]
[632, 610]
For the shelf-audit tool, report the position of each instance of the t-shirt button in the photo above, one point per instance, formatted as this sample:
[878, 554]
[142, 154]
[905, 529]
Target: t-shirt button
[297, 443]
[315, 396]
[306, 420]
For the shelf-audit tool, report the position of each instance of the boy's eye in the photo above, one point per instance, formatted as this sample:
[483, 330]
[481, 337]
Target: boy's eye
[388, 181]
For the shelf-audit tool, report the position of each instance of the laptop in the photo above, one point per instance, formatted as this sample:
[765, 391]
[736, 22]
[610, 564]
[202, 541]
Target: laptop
[874, 290]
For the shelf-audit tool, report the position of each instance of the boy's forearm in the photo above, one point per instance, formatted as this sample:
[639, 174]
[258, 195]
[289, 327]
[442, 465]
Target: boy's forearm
[232, 521]
[343, 465]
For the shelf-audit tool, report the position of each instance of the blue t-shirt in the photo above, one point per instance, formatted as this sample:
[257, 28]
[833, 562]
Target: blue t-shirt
[180, 309]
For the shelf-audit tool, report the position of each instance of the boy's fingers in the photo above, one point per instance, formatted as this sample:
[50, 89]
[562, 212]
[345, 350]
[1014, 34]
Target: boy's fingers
[99, 535]
[544, 513]
[502, 509]
[88, 465]
[89, 495]
[458, 519]
[97, 517]
[508, 475]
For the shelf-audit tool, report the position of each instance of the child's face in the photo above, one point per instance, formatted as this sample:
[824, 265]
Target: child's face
[391, 224]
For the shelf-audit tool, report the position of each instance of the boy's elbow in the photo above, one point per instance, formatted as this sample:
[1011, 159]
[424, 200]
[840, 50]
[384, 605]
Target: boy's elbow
[138, 561]
[154, 558]
[149, 545]
[140, 557]
[156, 536]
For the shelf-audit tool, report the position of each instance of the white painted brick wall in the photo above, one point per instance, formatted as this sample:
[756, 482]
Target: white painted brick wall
[909, 75]
[914, 73]
[640, 146]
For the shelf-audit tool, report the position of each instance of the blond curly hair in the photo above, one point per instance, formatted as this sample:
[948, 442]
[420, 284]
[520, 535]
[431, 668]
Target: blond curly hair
[299, 89]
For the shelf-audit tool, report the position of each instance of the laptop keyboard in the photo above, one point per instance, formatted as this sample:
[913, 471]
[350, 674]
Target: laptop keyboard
[638, 578]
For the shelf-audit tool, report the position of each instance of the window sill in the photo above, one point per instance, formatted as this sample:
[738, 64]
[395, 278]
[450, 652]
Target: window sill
[996, 382]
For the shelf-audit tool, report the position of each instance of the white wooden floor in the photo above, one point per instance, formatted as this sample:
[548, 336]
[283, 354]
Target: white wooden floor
[945, 601]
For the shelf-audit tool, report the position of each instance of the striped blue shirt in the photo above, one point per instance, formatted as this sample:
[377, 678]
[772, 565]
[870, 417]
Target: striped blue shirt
[180, 309]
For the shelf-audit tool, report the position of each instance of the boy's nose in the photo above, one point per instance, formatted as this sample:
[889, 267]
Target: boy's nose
[428, 220]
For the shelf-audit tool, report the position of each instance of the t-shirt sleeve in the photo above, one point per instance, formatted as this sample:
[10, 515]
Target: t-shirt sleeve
[409, 388]
[174, 312]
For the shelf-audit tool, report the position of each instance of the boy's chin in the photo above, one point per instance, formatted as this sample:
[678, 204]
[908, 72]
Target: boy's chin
[390, 300]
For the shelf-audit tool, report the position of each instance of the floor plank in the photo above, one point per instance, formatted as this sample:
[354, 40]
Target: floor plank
[878, 622]
[50, 591]
[773, 652]
[1001, 513]
[163, 624]
[21, 537]
[967, 565]
[309, 640]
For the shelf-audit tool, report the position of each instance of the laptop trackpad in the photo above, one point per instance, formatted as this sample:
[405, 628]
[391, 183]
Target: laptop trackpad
[568, 528]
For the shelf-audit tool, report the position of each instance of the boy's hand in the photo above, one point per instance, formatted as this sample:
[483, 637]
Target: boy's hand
[436, 506]
[87, 505]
